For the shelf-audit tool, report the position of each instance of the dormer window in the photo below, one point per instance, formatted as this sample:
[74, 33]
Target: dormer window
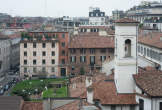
[128, 48]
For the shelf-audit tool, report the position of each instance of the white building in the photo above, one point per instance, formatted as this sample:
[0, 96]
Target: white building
[96, 17]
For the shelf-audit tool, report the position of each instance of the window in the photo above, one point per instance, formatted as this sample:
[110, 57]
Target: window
[92, 51]
[34, 62]
[128, 48]
[53, 69]
[92, 59]
[63, 35]
[160, 106]
[43, 45]
[34, 69]
[144, 51]
[82, 51]
[82, 59]
[63, 44]
[43, 69]
[141, 104]
[25, 53]
[72, 68]
[139, 49]
[25, 62]
[43, 62]
[34, 53]
[132, 107]
[73, 59]
[53, 45]
[25, 70]
[25, 45]
[63, 61]
[34, 45]
[113, 107]
[53, 61]
[53, 53]
[43, 53]
[103, 50]
[63, 53]
[148, 52]
[102, 58]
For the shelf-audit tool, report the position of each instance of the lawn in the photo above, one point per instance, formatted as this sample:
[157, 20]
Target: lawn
[29, 87]
[60, 92]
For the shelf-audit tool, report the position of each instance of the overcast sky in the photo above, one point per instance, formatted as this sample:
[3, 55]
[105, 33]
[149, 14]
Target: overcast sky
[59, 8]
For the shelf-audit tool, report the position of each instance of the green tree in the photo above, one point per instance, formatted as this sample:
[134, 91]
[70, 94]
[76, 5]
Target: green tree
[82, 71]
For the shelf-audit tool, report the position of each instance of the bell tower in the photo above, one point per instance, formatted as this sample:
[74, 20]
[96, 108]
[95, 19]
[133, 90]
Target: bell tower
[126, 32]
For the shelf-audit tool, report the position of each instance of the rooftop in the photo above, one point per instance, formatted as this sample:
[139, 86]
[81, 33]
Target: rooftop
[10, 102]
[92, 42]
[151, 39]
[150, 81]
[126, 20]
[105, 92]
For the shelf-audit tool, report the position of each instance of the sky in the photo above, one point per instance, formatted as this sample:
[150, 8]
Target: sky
[58, 8]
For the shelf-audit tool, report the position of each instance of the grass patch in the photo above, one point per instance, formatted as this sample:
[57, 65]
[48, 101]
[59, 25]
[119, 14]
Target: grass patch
[28, 87]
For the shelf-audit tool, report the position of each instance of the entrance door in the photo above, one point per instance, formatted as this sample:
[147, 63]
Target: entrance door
[63, 72]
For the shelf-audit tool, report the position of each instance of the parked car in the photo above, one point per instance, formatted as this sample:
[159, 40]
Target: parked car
[6, 87]
[1, 91]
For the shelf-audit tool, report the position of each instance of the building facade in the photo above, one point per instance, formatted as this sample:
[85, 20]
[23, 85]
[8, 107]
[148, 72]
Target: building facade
[39, 54]
[87, 53]
[5, 49]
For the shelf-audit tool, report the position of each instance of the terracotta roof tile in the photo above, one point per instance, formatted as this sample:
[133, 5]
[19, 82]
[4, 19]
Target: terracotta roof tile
[150, 81]
[126, 20]
[92, 42]
[70, 106]
[105, 91]
[32, 106]
[151, 39]
[74, 105]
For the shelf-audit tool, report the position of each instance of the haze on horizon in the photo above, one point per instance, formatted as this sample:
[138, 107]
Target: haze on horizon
[58, 8]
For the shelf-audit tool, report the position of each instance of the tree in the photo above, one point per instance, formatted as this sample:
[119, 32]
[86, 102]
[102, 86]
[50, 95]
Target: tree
[82, 71]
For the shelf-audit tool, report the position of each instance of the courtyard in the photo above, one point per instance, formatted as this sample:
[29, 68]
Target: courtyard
[38, 89]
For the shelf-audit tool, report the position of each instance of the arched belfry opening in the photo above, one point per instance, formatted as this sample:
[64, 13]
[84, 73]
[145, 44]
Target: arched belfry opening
[128, 48]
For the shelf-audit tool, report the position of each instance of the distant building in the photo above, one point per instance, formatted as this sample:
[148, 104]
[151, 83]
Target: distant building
[96, 16]
[144, 11]
[118, 14]
[94, 30]
[5, 51]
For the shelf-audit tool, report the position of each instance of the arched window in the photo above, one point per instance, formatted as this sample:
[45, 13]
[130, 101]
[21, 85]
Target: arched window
[128, 48]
